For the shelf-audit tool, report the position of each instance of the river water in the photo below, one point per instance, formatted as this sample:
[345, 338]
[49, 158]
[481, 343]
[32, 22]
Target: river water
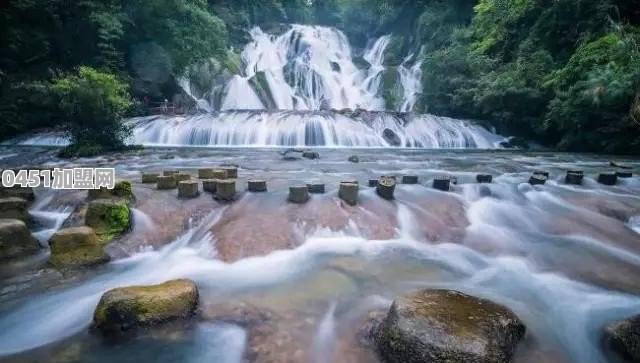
[294, 283]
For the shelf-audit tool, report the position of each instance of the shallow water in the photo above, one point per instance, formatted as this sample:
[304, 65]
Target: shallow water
[564, 258]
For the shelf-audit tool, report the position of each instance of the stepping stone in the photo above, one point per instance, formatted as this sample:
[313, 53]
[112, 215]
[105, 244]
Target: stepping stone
[205, 174]
[232, 172]
[298, 194]
[310, 154]
[257, 185]
[316, 188]
[181, 177]
[166, 182]
[608, 178]
[484, 178]
[574, 177]
[226, 190]
[169, 172]
[188, 189]
[385, 187]
[537, 179]
[442, 183]
[219, 174]
[409, 179]
[348, 192]
[541, 172]
[373, 183]
[209, 185]
[148, 178]
[624, 173]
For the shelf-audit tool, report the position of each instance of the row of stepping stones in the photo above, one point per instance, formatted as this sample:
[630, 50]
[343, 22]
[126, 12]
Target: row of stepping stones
[575, 177]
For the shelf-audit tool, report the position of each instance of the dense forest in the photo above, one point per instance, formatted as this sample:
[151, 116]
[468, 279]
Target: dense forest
[565, 73]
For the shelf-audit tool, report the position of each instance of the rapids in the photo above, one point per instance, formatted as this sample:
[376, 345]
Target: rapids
[564, 258]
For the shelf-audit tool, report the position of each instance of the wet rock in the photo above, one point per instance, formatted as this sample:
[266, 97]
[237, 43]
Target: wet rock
[623, 173]
[14, 208]
[354, 159]
[166, 182]
[25, 193]
[308, 154]
[574, 177]
[76, 247]
[226, 190]
[108, 217]
[442, 183]
[209, 185]
[409, 179]
[348, 192]
[99, 193]
[220, 174]
[442, 326]
[385, 187]
[188, 189]
[537, 179]
[129, 308]
[298, 194]
[257, 186]
[373, 183]
[206, 174]
[391, 138]
[123, 189]
[169, 172]
[232, 172]
[148, 178]
[542, 172]
[624, 338]
[619, 165]
[316, 188]
[608, 178]
[15, 239]
[484, 178]
[179, 177]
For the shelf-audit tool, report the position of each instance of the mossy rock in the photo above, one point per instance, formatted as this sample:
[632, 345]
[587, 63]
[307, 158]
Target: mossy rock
[25, 193]
[624, 338]
[128, 308]
[16, 240]
[262, 89]
[76, 247]
[108, 217]
[14, 208]
[122, 189]
[443, 326]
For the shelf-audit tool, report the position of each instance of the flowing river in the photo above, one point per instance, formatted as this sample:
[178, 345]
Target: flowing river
[563, 258]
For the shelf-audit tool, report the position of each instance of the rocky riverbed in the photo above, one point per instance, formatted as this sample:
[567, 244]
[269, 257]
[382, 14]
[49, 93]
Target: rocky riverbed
[312, 282]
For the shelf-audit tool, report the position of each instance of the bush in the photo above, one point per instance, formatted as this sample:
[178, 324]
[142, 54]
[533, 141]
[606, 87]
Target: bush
[93, 104]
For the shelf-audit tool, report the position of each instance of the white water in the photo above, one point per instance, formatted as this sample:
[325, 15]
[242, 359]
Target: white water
[411, 83]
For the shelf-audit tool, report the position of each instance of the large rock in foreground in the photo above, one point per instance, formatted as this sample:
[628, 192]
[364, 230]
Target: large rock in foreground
[624, 337]
[76, 247]
[128, 308]
[15, 239]
[442, 326]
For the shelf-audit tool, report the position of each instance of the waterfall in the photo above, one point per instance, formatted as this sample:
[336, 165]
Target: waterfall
[306, 68]
[411, 82]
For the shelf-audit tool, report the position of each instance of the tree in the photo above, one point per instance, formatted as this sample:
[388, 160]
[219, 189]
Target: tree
[93, 104]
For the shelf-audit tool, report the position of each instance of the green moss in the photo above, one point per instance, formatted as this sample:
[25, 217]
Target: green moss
[261, 86]
[123, 189]
[108, 217]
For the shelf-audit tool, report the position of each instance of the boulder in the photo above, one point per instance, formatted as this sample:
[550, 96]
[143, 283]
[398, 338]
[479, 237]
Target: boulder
[148, 178]
[76, 247]
[298, 194]
[209, 185]
[226, 190]
[166, 182]
[391, 138]
[354, 159]
[348, 192]
[102, 192]
[188, 189]
[14, 208]
[385, 187]
[25, 193]
[122, 189]
[624, 337]
[108, 217]
[15, 239]
[443, 326]
[129, 308]
[257, 186]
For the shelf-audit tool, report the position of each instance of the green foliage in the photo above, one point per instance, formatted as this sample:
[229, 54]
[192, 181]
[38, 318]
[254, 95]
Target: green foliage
[93, 104]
